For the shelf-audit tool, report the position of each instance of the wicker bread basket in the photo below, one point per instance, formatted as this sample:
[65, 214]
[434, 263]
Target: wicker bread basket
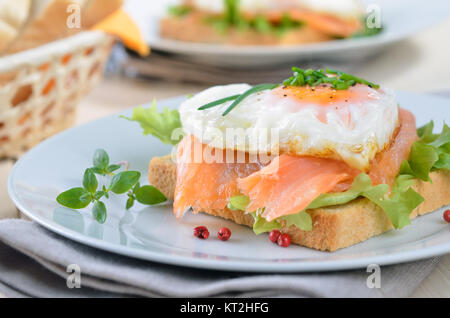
[40, 88]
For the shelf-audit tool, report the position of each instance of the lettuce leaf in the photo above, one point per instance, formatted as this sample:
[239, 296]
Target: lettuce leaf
[161, 125]
[398, 206]
[430, 152]
[261, 225]
[238, 202]
[301, 220]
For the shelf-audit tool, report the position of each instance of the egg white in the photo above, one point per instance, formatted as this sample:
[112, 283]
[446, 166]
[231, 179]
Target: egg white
[292, 130]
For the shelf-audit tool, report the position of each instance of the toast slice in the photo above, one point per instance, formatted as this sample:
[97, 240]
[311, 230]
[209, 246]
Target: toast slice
[333, 227]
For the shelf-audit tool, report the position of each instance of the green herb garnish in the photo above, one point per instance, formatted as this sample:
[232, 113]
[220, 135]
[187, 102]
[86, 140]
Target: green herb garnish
[338, 80]
[238, 98]
[122, 182]
[180, 10]
[232, 18]
[253, 90]
[301, 77]
[218, 102]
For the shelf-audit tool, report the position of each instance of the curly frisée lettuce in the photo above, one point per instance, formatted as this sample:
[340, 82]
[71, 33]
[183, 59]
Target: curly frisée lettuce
[161, 125]
[431, 152]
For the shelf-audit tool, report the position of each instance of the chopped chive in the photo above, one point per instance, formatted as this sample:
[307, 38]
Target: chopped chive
[218, 102]
[339, 80]
[249, 92]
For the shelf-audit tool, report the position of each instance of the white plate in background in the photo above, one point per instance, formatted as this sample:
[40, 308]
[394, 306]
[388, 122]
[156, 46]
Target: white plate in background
[401, 19]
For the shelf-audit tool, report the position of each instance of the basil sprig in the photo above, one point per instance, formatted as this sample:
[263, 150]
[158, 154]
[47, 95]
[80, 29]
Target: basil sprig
[120, 183]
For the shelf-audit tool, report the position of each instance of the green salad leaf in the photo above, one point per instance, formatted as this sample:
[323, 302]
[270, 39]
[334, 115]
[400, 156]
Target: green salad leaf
[431, 152]
[233, 18]
[180, 10]
[161, 125]
[301, 220]
[238, 202]
[398, 206]
[261, 225]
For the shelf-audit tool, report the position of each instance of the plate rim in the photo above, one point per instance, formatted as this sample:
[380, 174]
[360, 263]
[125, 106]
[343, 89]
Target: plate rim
[215, 264]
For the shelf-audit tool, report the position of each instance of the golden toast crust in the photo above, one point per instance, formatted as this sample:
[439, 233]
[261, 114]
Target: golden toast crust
[333, 227]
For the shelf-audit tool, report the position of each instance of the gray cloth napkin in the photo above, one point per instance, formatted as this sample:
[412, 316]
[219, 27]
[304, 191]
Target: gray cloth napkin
[33, 263]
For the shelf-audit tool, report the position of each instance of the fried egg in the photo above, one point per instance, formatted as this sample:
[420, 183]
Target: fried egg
[350, 125]
[343, 8]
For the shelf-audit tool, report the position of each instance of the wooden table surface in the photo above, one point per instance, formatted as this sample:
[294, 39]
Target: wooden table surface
[420, 64]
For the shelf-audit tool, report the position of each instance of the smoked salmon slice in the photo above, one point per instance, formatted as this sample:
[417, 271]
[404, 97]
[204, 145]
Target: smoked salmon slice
[322, 22]
[386, 164]
[287, 185]
[290, 183]
[205, 185]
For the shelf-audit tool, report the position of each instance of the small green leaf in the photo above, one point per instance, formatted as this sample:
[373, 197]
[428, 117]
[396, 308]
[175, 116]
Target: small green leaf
[149, 195]
[421, 160]
[75, 198]
[443, 162]
[161, 125]
[124, 181]
[113, 168]
[426, 132]
[99, 171]
[101, 159]
[90, 182]
[105, 191]
[262, 226]
[301, 220]
[443, 138]
[253, 90]
[130, 203]
[238, 202]
[98, 195]
[99, 212]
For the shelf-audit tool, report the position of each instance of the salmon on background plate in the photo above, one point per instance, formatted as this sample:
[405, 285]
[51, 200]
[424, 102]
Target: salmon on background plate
[266, 22]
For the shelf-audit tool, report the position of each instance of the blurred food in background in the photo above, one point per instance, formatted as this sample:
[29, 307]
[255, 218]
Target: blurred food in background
[48, 62]
[264, 22]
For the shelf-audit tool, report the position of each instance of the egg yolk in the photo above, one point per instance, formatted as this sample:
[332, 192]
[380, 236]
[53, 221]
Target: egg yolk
[319, 95]
[325, 99]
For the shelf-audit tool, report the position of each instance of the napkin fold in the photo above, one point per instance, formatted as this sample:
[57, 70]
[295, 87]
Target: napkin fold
[34, 261]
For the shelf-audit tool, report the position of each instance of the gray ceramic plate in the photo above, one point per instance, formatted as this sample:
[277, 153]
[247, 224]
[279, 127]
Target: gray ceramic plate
[153, 234]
